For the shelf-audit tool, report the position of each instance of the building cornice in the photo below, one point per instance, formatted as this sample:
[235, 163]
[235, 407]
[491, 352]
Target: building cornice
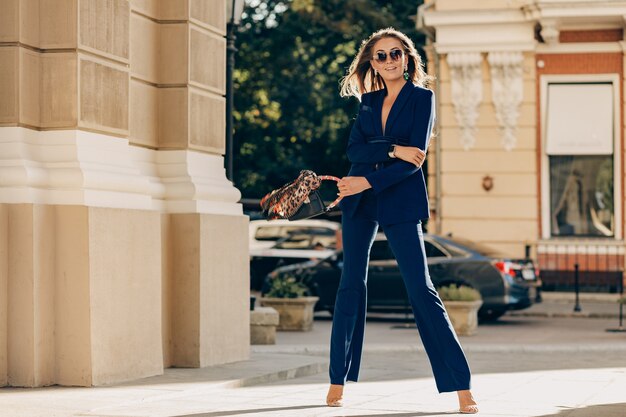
[514, 29]
[473, 17]
[564, 9]
[582, 12]
[485, 47]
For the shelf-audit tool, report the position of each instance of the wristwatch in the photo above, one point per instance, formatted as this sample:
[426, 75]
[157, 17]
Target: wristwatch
[392, 151]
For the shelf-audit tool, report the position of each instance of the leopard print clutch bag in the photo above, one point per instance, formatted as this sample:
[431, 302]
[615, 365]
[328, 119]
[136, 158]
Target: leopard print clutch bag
[298, 199]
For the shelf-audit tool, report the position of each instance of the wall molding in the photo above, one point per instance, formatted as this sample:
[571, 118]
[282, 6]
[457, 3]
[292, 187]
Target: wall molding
[76, 167]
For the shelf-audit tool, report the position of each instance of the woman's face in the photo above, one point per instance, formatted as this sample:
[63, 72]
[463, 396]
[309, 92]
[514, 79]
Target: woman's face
[388, 58]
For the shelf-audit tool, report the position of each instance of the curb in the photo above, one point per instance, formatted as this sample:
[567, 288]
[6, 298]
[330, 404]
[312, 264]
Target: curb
[284, 375]
[580, 315]
[265, 366]
[319, 350]
[561, 297]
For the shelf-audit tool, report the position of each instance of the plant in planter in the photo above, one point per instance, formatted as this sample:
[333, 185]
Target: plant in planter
[290, 296]
[462, 304]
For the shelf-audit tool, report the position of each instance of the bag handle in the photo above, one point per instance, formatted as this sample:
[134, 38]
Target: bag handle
[331, 178]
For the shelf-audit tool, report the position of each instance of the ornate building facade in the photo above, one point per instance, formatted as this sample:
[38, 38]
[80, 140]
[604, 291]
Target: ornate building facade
[531, 127]
[123, 249]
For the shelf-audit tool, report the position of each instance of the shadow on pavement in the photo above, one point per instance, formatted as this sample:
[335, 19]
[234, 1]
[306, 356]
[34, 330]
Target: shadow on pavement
[301, 407]
[250, 411]
[403, 319]
[506, 321]
[604, 410]
[412, 414]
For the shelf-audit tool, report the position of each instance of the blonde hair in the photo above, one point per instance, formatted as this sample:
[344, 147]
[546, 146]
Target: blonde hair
[361, 77]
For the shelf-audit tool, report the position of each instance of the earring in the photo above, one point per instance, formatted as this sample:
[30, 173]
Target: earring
[406, 74]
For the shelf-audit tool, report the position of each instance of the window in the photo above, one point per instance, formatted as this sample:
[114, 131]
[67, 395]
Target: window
[268, 233]
[581, 195]
[321, 235]
[295, 241]
[433, 251]
[580, 159]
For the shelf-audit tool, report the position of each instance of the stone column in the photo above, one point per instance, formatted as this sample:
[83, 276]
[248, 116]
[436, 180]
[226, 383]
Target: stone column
[113, 193]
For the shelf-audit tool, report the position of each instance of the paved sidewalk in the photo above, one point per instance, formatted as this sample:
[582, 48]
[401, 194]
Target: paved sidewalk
[522, 366]
[509, 334]
[560, 304]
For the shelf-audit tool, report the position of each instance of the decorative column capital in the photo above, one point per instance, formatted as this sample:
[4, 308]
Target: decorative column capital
[507, 90]
[467, 92]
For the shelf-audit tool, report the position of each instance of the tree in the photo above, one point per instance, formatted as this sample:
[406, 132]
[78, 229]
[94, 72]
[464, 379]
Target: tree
[289, 115]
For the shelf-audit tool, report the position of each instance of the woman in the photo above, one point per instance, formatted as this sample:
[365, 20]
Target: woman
[386, 186]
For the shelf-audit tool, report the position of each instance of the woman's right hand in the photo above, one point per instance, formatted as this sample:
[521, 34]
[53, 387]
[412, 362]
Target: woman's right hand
[410, 154]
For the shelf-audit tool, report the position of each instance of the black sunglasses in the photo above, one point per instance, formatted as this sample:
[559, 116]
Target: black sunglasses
[394, 54]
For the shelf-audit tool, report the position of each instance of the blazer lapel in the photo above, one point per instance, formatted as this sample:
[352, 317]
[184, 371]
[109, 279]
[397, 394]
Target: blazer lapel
[378, 111]
[401, 100]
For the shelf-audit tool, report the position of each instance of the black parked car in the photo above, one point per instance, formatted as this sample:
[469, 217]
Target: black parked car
[504, 283]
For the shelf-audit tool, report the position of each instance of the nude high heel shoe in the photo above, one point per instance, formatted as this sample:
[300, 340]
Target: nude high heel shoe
[334, 396]
[469, 409]
[466, 397]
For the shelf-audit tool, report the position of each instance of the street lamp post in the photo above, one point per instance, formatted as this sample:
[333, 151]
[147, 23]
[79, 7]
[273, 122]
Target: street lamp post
[234, 10]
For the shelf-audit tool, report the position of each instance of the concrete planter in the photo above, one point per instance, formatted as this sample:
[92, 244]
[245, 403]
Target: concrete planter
[464, 316]
[263, 322]
[295, 313]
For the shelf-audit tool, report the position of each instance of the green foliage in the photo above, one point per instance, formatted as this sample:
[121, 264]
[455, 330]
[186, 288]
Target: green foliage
[453, 292]
[289, 284]
[288, 113]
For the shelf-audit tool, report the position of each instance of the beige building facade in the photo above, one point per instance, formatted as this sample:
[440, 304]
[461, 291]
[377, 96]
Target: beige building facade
[123, 249]
[531, 126]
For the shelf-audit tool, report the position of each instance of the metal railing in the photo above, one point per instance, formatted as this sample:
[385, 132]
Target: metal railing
[589, 265]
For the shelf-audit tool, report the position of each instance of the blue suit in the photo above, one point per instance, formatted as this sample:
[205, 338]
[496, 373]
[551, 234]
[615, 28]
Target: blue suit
[398, 201]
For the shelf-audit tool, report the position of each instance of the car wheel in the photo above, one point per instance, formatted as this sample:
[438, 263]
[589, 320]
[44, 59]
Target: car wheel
[490, 315]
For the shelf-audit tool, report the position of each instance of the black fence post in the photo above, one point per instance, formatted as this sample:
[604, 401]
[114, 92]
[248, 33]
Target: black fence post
[620, 328]
[576, 286]
[620, 289]
[621, 304]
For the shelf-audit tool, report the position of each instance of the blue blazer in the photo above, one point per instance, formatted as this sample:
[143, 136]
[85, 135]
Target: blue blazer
[399, 186]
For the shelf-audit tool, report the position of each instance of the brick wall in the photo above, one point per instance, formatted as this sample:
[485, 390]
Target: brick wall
[608, 35]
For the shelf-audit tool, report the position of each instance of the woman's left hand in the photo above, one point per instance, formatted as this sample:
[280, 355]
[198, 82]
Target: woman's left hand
[352, 185]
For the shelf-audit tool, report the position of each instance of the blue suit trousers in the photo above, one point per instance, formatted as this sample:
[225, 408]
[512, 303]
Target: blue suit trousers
[447, 360]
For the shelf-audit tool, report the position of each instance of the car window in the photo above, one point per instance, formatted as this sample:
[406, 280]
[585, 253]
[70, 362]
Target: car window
[279, 232]
[320, 231]
[307, 241]
[477, 247]
[295, 241]
[381, 251]
[268, 233]
[456, 252]
[432, 251]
